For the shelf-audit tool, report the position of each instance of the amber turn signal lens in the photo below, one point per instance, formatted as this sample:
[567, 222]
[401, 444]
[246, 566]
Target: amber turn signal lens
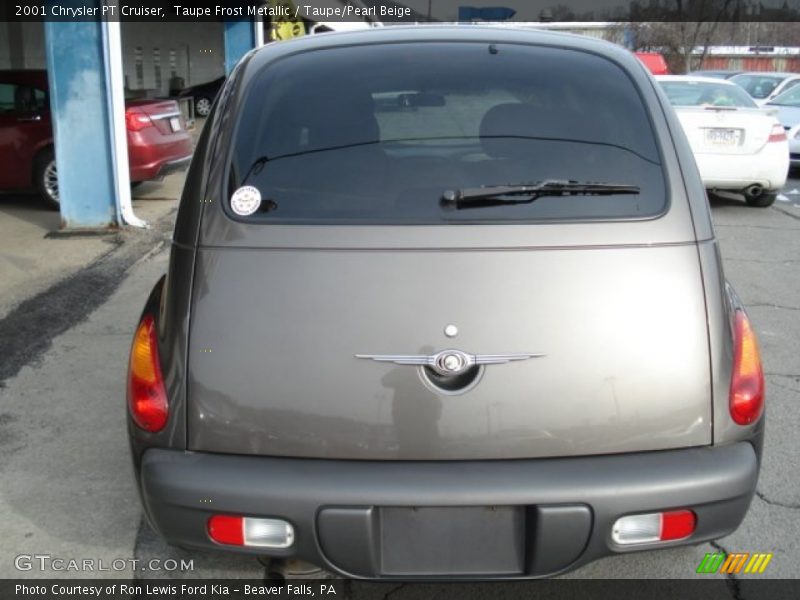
[147, 398]
[747, 380]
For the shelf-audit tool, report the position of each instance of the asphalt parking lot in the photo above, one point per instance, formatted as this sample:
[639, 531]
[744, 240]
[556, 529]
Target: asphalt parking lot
[67, 489]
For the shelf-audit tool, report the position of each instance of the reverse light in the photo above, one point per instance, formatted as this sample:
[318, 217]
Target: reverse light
[247, 531]
[654, 527]
[747, 380]
[136, 121]
[147, 397]
[778, 134]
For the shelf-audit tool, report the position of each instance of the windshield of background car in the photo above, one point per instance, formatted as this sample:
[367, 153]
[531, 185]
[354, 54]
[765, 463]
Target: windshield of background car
[377, 133]
[697, 93]
[758, 86]
[790, 98]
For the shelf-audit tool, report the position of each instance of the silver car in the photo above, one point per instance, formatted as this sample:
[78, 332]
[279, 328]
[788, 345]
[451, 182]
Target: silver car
[444, 302]
[788, 107]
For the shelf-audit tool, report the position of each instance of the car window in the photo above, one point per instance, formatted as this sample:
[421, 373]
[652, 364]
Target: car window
[758, 86]
[697, 93]
[789, 85]
[378, 134]
[790, 98]
[21, 98]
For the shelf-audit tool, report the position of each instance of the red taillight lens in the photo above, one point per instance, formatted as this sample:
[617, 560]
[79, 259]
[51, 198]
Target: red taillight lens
[747, 381]
[677, 524]
[136, 121]
[225, 529]
[778, 133]
[147, 398]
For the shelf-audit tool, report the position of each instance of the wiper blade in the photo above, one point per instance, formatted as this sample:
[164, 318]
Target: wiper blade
[496, 195]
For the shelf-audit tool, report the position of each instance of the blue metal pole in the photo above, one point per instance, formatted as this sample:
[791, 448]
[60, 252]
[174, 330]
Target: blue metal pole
[81, 124]
[240, 38]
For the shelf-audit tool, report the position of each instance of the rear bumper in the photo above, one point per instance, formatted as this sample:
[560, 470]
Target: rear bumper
[768, 168]
[566, 506]
[153, 155]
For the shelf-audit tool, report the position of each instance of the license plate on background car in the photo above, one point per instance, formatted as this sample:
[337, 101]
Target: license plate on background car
[718, 136]
[175, 123]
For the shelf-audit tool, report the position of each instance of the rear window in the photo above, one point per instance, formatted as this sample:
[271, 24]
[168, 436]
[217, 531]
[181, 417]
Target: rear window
[698, 93]
[758, 86]
[377, 134]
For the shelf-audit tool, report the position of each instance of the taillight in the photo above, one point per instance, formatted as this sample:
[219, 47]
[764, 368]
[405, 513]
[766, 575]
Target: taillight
[747, 380]
[249, 531]
[778, 133]
[654, 527]
[136, 121]
[147, 398]
[226, 529]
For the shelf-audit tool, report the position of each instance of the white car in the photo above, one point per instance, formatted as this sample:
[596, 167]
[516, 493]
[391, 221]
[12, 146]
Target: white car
[788, 107]
[738, 146]
[764, 86]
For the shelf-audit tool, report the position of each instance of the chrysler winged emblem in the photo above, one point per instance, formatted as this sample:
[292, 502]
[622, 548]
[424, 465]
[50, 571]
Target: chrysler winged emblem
[449, 362]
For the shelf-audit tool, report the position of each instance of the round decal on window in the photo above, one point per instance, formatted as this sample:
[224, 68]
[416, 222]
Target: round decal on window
[246, 200]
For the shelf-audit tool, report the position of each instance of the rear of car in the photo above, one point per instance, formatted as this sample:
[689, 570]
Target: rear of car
[458, 313]
[738, 146]
[158, 143]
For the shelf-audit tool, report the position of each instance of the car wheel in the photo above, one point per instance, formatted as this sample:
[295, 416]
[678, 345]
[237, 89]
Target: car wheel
[762, 201]
[202, 107]
[47, 179]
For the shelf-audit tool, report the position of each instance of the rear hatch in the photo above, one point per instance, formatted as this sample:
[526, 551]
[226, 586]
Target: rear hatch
[307, 312]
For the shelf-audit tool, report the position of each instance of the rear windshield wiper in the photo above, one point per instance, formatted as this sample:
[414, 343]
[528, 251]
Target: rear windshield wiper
[493, 195]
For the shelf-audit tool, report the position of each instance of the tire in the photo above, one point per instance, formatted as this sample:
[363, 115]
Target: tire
[764, 200]
[202, 106]
[47, 179]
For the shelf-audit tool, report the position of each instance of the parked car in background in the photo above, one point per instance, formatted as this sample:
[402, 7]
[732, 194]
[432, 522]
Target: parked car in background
[203, 95]
[654, 62]
[158, 142]
[717, 74]
[738, 146]
[476, 329]
[763, 87]
[788, 107]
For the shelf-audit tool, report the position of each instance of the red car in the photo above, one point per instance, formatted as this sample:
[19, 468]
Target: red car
[654, 62]
[158, 142]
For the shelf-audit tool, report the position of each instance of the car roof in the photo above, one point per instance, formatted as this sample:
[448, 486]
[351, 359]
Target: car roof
[783, 74]
[450, 32]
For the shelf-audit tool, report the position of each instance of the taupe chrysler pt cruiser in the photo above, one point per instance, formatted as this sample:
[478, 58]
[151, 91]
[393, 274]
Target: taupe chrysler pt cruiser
[444, 302]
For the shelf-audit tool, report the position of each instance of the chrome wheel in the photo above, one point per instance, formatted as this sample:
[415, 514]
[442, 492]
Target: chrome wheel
[202, 107]
[50, 181]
